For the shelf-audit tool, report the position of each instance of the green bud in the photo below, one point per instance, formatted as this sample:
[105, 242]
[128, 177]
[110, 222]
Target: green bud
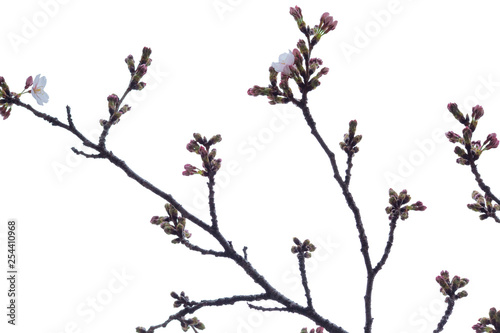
[357, 139]
[200, 326]
[215, 139]
[198, 137]
[352, 127]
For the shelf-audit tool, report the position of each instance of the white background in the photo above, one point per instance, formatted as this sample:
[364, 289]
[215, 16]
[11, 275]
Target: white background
[394, 66]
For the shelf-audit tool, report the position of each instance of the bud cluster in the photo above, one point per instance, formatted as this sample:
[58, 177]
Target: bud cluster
[484, 206]
[201, 146]
[397, 201]
[493, 320]
[137, 73]
[173, 224]
[305, 247]
[350, 139]
[297, 64]
[113, 103]
[181, 299]
[449, 288]
[326, 24]
[473, 149]
[317, 330]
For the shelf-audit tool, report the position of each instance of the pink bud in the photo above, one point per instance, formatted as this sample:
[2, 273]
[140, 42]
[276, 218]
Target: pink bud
[29, 82]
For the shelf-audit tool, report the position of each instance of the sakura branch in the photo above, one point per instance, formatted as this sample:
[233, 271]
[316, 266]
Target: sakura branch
[305, 71]
[449, 289]
[301, 67]
[469, 156]
[177, 216]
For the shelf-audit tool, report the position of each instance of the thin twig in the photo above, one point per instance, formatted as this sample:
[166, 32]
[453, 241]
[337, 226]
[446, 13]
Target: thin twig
[446, 316]
[481, 183]
[302, 268]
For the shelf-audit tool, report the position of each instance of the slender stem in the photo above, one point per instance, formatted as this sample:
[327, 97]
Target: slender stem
[388, 246]
[481, 183]
[348, 170]
[211, 199]
[302, 268]
[216, 302]
[446, 316]
[107, 126]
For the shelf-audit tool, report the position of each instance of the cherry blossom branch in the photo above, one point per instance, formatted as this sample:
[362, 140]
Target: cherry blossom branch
[469, 156]
[303, 250]
[195, 306]
[177, 214]
[300, 66]
[449, 289]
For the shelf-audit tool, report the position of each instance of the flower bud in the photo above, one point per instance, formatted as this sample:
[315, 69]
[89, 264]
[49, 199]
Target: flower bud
[130, 63]
[215, 139]
[141, 85]
[146, 52]
[5, 111]
[453, 108]
[216, 164]
[453, 137]
[29, 82]
[477, 112]
[113, 101]
[303, 48]
[460, 152]
[297, 15]
[198, 138]
[193, 147]
[490, 142]
[124, 109]
[4, 86]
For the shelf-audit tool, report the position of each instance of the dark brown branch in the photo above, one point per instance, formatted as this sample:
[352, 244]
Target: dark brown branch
[446, 316]
[229, 251]
[302, 104]
[388, 246]
[348, 170]
[211, 199]
[205, 303]
[79, 152]
[262, 308]
[196, 248]
[302, 268]
[481, 183]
